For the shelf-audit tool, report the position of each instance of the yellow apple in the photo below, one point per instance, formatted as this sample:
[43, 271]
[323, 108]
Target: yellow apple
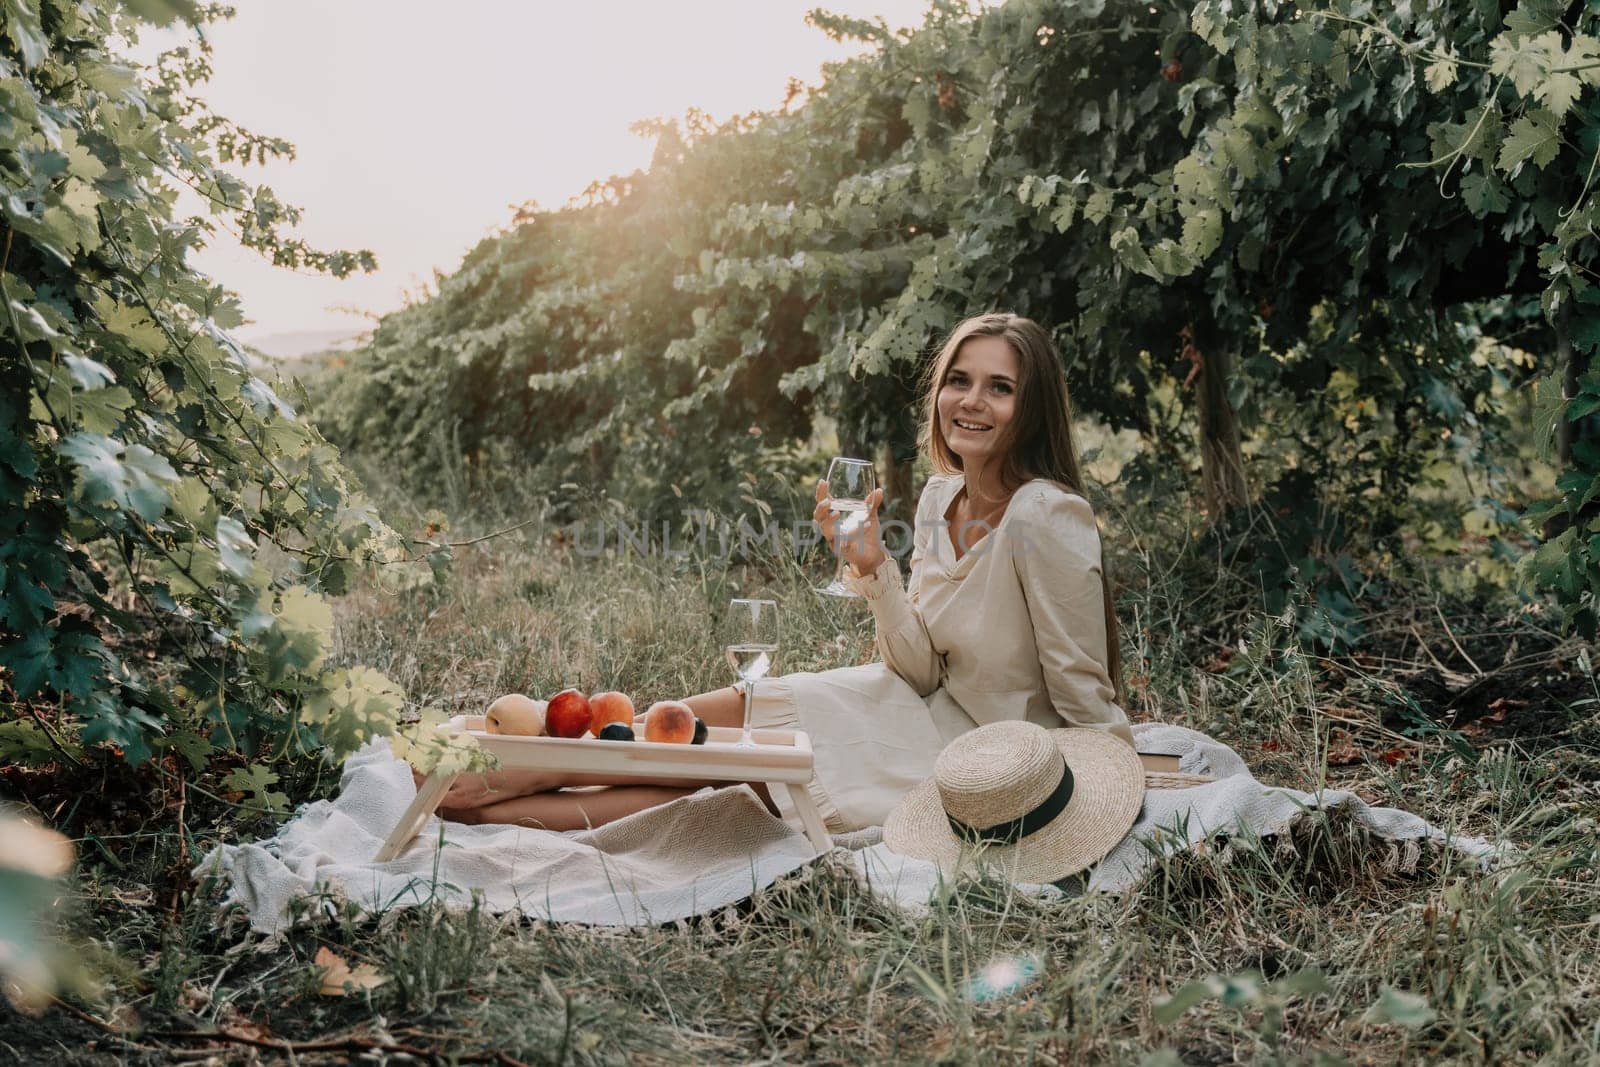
[515, 714]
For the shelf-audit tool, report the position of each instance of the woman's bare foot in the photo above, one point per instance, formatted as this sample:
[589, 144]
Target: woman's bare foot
[476, 790]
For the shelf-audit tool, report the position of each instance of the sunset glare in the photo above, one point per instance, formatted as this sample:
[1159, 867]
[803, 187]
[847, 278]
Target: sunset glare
[419, 129]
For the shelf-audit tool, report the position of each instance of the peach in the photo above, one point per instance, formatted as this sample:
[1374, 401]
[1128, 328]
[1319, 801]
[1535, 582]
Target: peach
[515, 714]
[671, 721]
[609, 707]
[568, 714]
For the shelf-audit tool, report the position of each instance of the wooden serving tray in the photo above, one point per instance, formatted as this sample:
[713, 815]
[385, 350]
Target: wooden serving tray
[780, 757]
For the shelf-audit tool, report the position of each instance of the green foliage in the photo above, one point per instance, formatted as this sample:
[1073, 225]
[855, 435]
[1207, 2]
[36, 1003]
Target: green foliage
[1246, 991]
[1122, 171]
[171, 527]
[1506, 118]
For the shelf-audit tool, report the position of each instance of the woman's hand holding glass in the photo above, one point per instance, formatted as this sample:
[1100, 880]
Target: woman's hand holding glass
[853, 536]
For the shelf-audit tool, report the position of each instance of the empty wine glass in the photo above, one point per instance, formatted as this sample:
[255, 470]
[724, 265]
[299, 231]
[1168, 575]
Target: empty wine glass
[850, 483]
[750, 639]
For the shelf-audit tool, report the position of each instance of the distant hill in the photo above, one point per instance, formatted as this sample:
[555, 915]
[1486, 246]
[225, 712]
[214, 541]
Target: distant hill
[298, 344]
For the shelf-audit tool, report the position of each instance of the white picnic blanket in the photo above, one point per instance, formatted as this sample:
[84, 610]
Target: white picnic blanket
[707, 850]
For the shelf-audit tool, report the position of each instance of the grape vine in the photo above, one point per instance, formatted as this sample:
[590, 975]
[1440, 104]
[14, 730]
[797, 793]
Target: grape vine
[1217, 198]
[172, 527]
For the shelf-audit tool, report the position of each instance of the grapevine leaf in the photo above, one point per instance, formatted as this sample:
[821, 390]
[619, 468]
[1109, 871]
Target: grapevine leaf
[192, 502]
[1550, 565]
[190, 570]
[78, 659]
[16, 452]
[299, 633]
[1098, 206]
[1548, 403]
[102, 410]
[1583, 54]
[427, 748]
[28, 659]
[1441, 73]
[132, 324]
[88, 373]
[162, 12]
[1559, 92]
[1484, 194]
[26, 744]
[1526, 60]
[234, 547]
[121, 476]
[352, 706]
[191, 746]
[1581, 406]
[1532, 17]
[1202, 233]
[21, 24]
[1535, 135]
[26, 600]
[1586, 331]
[265, 400]
[1125, 243]
[1061, 217]
[1209, 24]
[81, 162]
[34, 326]
[117, 723]
[256, 781]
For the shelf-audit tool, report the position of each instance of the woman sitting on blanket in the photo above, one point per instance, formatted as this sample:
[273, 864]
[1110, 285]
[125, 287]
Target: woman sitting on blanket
[1007, 614]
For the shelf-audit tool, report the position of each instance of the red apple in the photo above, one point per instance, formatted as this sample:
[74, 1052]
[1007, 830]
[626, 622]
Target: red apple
[569, 714]
[609, 707]
[671, 721]
[515, 714]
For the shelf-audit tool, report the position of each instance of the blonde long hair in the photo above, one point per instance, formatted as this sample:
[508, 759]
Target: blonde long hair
[1038, 442]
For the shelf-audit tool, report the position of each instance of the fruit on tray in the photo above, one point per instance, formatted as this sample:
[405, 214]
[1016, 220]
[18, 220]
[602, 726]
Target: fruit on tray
[616, 731]
[568, 714]
[609, 707]
[700, 731]
[515, 714]
[671, 721]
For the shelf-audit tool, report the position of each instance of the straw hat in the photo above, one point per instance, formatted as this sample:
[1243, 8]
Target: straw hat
[1041, 804]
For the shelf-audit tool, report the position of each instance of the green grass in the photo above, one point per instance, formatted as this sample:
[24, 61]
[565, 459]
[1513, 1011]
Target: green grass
[1324, 946]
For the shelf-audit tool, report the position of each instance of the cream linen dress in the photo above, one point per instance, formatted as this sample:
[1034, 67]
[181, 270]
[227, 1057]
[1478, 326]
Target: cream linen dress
[1013, 630]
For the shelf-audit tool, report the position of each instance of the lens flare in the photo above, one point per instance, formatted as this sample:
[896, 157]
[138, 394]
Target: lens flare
[1003, 976]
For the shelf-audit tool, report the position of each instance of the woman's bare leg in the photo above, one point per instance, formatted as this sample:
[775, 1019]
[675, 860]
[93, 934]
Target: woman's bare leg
[720, 707]
[568, 810]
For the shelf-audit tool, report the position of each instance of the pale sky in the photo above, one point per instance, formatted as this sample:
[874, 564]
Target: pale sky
[419, 125]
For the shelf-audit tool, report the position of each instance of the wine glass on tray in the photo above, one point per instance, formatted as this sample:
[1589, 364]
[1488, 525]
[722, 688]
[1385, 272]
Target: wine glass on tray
[850, 483]
[750, 641]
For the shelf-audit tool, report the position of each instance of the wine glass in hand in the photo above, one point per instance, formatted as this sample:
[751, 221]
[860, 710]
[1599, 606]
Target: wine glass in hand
[750, 639]
[850, 485]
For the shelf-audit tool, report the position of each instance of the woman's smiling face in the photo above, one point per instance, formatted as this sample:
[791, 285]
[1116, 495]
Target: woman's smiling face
[978, 398]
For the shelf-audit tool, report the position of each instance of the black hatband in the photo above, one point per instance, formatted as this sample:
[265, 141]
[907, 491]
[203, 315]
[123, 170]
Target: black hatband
[1016, 829]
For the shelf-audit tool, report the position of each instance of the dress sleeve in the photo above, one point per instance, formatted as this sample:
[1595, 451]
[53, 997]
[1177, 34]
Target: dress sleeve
[1056, 552]
[903, 639]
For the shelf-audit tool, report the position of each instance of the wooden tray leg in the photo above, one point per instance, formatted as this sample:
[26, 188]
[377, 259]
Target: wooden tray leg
[810, 817]
[428, 797]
